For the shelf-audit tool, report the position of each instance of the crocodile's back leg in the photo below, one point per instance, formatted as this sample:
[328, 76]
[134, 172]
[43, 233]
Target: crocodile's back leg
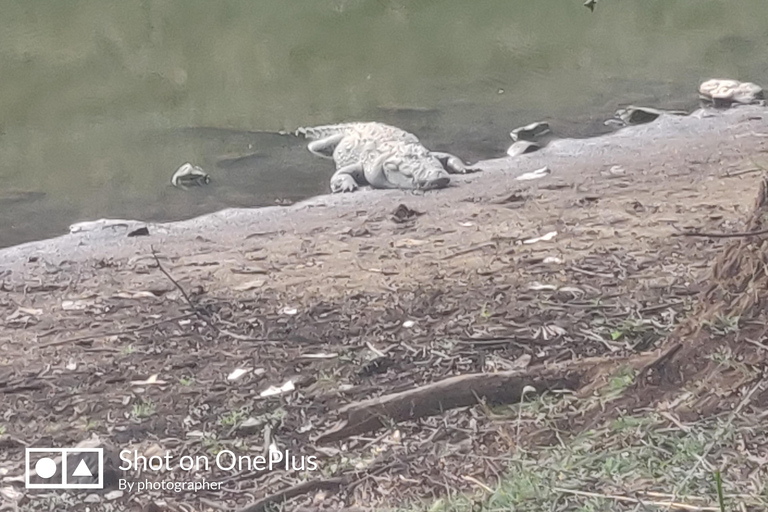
[348, 178]
[326, 146]
[452, 164]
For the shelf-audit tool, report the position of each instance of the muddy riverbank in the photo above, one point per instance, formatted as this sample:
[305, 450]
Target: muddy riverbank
[665, 148]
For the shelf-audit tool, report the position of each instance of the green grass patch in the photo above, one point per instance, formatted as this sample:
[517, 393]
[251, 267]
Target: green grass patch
[633, 463]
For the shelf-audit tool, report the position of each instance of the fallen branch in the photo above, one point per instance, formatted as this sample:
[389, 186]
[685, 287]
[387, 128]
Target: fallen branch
[468, 250]
[739, 173]
[194, 307]
[722, 235]
[462, 391]
[297, 490]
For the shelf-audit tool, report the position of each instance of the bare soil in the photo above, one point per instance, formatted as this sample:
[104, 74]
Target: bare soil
[356, 297]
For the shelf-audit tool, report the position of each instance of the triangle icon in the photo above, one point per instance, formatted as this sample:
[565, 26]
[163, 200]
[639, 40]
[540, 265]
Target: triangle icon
[82, 469]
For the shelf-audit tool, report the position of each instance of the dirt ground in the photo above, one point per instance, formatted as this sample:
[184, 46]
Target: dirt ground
[355, 297]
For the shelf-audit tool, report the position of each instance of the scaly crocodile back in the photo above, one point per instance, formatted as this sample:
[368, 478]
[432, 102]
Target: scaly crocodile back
[366, 147]
[373, 131]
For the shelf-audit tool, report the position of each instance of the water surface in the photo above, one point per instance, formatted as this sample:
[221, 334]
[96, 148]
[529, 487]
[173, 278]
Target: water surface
[102, 101]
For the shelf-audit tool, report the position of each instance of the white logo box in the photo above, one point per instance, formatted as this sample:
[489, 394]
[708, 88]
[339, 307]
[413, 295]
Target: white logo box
[64, 453]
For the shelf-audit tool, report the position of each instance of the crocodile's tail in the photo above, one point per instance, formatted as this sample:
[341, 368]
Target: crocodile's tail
[320, 132]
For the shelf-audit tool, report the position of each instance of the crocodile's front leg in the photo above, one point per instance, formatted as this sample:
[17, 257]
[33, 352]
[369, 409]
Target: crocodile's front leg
[451, 163]
[324, 147]
[347, 178]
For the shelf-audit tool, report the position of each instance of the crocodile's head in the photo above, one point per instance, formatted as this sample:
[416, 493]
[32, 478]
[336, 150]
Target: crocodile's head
[426, 173]
[407, 172]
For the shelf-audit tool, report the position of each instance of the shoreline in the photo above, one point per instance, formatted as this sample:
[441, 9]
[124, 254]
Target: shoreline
[568, 158]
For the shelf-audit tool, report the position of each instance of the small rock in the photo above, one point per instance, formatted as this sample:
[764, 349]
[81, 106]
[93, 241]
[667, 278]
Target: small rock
[531, 131]
[403, 214]
[189, 175]
[142, 231]
[522, 147]
[724, 92]
[632, 115]
[637, 115]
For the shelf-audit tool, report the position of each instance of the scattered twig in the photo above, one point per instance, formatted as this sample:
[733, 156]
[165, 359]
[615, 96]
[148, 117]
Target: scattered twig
[478, 483]
[194, 307]
[756, 343]
[468, 250]
[373, 349]
[87, 337]
[590, 273]
[669, 504]
[721, 235]
[740, 172]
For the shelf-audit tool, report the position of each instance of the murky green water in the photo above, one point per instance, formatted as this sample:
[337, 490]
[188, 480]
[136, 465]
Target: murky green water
[101, 101]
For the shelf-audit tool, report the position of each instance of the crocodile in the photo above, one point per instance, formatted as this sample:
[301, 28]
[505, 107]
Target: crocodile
[379, 155]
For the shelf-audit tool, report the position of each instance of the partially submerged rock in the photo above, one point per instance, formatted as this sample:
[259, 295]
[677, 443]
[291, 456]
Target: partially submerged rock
[531, 131]
[521, 147]
[724, 92]
[189, 175]
[631, 115]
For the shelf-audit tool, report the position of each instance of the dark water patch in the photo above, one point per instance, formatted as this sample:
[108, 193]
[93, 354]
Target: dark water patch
[96, 96]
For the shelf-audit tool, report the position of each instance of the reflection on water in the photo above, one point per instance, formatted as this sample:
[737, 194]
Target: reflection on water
[102, 101]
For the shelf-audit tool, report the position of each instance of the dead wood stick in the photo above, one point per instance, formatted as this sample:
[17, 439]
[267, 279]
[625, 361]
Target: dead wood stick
[453, 392]
[468, 250]
[739, 173]
[194, 307]
[465, 390]
[297, 490]
[722, 235]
